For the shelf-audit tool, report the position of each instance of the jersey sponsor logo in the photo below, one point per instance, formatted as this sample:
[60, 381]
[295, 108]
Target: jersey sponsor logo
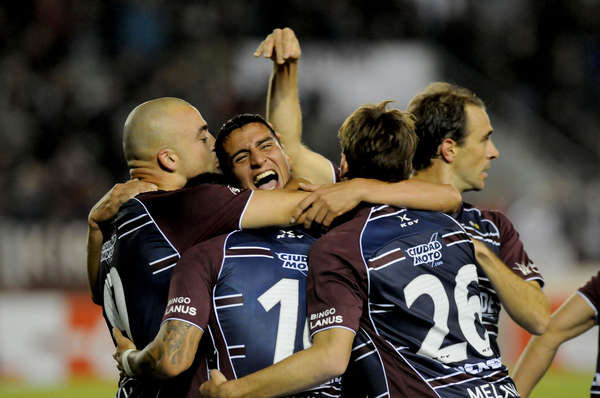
[108, 248]
[526, 269]
[405, 221]
[180, 305]
[234, 190]
[476, 368]
[427, 253]
[283, 234]
[490, 390]
[293, 261]
[325, 318]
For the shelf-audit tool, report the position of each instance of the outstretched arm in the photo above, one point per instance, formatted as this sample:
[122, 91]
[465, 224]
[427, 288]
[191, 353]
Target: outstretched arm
[170, 353]
[524, 301]
[324, 360]
[574, 317]
[330, 201]
[105, 209]
[283, 106]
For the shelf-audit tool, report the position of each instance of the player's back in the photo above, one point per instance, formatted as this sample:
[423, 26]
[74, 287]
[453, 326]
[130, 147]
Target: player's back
[422, 314]
[135, 270]
[259, 313]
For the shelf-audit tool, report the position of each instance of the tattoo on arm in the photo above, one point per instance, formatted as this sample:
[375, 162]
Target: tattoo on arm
[174, 347]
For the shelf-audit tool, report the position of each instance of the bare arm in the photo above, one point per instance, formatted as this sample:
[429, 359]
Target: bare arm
[330, 201]
[327, 358]
[269, 208]
[574, 317]
[283, 106]
[103, 210]
[170, 353]
[524, 301]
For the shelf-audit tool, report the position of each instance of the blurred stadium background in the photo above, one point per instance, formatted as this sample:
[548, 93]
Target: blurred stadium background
[70, 71]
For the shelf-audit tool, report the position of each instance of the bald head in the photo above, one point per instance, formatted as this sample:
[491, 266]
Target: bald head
[153, 125]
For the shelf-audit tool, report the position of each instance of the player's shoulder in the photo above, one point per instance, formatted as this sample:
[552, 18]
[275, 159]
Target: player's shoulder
[345, 233]
[485, 218]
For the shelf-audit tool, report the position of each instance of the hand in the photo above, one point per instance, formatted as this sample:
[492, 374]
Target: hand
[109, 205]
[327, 202]
[281, 46]
[123, 344]
[211, 388]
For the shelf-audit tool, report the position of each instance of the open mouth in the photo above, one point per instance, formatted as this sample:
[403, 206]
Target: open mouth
[267, 180]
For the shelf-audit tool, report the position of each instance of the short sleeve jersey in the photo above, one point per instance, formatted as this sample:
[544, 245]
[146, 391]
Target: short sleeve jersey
[498, 233]
[246, 291]
[406, 283]
[144, 242]
[590, 292]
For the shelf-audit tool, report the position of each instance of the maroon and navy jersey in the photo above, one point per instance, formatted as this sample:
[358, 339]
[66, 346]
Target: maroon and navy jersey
[144, 242]
[498, 233]
[246, 291]
[406, 282]
[590, 292]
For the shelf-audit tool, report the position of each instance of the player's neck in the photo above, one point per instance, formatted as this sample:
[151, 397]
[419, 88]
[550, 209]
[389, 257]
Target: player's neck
[438, 173]
[164, 180]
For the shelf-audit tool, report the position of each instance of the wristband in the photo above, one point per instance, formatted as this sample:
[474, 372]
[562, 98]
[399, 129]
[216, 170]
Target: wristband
[125, 362]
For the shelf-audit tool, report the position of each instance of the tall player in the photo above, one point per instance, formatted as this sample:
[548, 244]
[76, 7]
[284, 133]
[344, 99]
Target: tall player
[456, 148]
[577, 315]
[404, 283]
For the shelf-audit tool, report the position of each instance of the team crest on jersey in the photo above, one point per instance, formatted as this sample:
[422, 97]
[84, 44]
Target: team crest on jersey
[108, 248]
[405, 221]
[427, 253]
[234, 190]
[294, 261]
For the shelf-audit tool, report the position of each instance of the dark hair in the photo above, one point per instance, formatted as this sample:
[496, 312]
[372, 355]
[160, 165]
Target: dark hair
[236, 122]
[378, 143]
[440, 113]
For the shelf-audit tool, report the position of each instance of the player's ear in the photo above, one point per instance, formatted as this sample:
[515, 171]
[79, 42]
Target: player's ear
[448, 149]
[167, 159]
[343, 166]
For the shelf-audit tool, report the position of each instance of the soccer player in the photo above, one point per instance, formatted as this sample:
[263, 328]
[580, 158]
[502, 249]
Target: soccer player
[401, 284]
[456, 148]
[578, 314]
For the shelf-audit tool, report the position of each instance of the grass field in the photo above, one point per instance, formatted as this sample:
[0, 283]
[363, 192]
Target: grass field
[555, 385]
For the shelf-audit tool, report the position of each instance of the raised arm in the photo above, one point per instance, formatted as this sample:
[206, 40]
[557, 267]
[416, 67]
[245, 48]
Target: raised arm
[327, 358]
[574, 317]
[524, 301]
[103, 210]
[283, 106]
[170, 353]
